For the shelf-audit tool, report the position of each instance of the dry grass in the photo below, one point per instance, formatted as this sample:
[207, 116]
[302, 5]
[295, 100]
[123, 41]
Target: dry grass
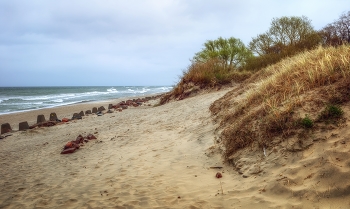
[270, 98]
[210, 74]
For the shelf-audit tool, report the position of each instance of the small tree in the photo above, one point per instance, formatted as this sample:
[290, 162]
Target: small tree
[231, 52]
[287, 36]
[285, 33]
[338, 32]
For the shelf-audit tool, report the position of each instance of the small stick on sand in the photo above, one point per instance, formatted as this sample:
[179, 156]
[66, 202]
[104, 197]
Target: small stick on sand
[222, 191]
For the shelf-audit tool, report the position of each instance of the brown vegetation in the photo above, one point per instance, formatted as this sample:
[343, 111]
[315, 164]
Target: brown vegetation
[204, 75]
[273, 100]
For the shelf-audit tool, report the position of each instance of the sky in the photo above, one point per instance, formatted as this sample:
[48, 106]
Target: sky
[133, 42]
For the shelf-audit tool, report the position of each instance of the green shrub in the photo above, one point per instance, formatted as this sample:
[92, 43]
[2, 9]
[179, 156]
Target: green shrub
[331, 112]
[307, 122]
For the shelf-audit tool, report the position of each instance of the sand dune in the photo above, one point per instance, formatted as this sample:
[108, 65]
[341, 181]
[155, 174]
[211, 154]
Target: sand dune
[160, 157]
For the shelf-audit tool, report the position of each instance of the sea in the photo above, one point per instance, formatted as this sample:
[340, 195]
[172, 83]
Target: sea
[19, 99]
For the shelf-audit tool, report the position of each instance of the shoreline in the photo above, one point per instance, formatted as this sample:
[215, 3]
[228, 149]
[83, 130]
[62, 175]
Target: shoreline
[64, 111]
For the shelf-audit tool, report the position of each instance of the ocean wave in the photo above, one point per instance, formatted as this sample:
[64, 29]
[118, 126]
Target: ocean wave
[165, 88]
[112, 90]
[58, 100]
[47, 97]
[22, 103]
[29, 99]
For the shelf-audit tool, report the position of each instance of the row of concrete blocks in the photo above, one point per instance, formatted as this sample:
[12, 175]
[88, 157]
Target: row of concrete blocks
[5, 128]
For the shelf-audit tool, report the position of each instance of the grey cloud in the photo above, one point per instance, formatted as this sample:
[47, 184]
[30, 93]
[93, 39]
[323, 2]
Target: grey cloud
[153, 39]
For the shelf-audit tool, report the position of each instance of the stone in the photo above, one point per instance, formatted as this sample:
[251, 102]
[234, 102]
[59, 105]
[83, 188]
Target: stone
[43, 124]
[69, 150]
[76, 116]
[129, 102]
[5, 128]
[65, 120]
[94, 110]
[81, 113]
[124, 106]
[53, 117]
[110, 106]
[79, 139]
[68, 145]
[87, 112]
[90, 136]
[100, 109]
[40, 119]
[116, 106]
[23, 126]
[218, 175]
[110, 111]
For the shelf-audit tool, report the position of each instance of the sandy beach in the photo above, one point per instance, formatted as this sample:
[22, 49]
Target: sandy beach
[162, 157]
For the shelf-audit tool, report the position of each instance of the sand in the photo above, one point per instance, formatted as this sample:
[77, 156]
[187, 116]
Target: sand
[161, 157]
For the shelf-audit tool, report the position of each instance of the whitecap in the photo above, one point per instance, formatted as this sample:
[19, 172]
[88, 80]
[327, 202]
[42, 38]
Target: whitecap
[112, 90]
[58, 100]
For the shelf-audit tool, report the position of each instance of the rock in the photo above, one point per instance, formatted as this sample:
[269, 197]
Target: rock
[5, 128]
[90, 137]
[68, 145]
[129, 102]
[47, 124]
[99, 113]
[65, 120]
[110, 106]
[69, 150]
[23, 126]
[116, 106]
[76, 116]
[87, 112]
[79, 139]
[53, 117]
[101, 109]
[110, 111]
[40, 119]
[218, 175]
[124, 106]
[94, 110]
[81, 113]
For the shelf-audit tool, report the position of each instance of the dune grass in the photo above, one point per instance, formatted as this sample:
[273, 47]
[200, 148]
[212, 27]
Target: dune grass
[273, 95]
[204, 75]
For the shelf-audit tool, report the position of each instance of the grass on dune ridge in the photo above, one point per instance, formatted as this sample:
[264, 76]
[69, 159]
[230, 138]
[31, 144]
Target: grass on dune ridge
[270, 102]
[206, 75]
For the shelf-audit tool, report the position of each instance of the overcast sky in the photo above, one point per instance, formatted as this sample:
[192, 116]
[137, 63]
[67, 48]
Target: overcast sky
[129, 42]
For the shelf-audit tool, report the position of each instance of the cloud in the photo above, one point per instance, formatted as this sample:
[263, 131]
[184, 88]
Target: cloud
[147, 42]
